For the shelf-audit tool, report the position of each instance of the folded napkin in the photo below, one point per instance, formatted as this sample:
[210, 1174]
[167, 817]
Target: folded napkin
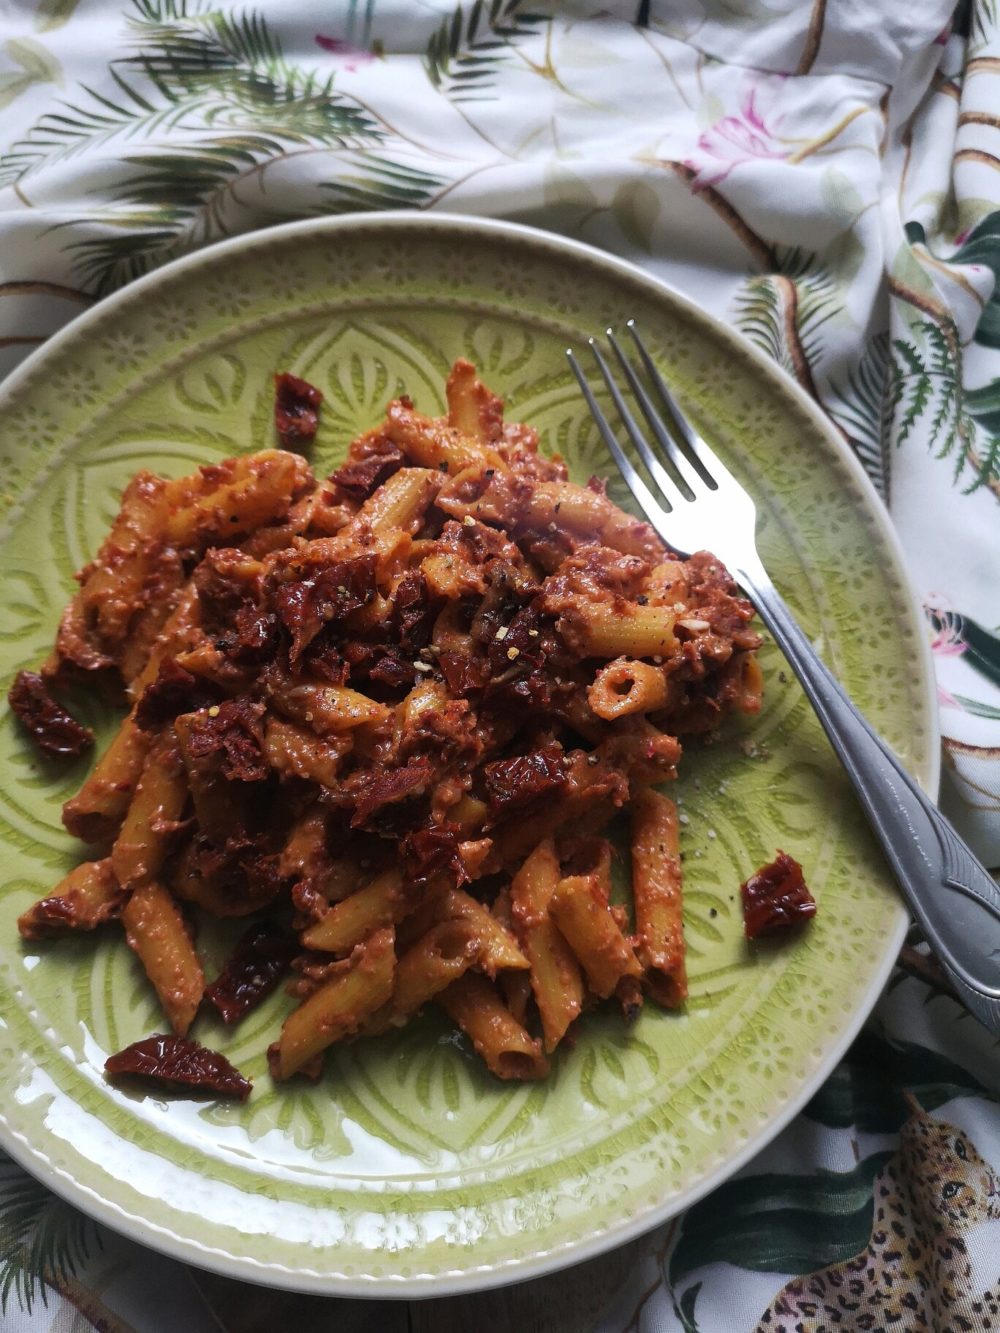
[825, 177]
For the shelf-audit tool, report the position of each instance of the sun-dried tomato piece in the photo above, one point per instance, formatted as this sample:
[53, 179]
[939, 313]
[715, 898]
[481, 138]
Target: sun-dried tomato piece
[359, 477]
[296, 411]
[323, 658]
[306, 605]
[236, 878]
[232, 730]
[221, 593]
[510, 588]
[513, 783]
[431, 852]
[256, 966]
[55, 732]
[533, 692]
[518, 644]
[392, 669]
[180, 1064]
[413, 613]
[174, 691]
[381, 662]
[463, 673]
[255, 637]
[776, 898]
[389, 787]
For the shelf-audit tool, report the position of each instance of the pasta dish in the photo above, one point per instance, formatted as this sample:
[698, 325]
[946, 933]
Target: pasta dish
[388, 716]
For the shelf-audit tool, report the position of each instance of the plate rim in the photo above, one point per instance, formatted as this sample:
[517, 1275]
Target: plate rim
[569, 1253]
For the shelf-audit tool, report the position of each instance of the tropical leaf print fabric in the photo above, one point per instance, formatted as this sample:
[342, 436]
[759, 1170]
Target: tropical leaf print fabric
[824, 176]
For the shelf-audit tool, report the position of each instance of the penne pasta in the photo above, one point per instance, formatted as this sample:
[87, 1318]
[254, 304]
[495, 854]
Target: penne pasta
[348, 922]
[400, 503]
[508, 1050]
[591, 515]
[498, 949]
[627, 686]
[87, 897]
[328, 709]
[579, 907]
[472, 409]
[625, 631]
[656, 889]
[157, 932]
[437, 959]
[233, 497]
[113, 586]
[555, 975]
[151, 819]
[435, 444]
[339, 1007]
[220, 805]
[305, 854]
[297, 752]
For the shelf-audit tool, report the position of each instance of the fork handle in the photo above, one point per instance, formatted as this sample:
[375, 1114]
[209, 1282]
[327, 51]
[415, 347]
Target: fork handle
[952, 895]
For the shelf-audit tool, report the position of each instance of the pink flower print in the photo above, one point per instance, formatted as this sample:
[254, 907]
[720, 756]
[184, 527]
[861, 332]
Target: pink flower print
[745, 137]
[352, 57]
[947, 642]
[946, 699]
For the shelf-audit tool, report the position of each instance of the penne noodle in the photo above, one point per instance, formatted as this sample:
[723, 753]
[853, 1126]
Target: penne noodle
[87, 897]
[751, 682]
[436, 960]
[234, 497]
[328, 708]
[95, 813]
[220, 806]
[515, 987]
[590, 515]
[590, 795]
[151, 820]
[296, 752]
[400, 503]
[340, 1006]
[498, 947]
[656, 888]
[509, 1051]
[178, 631]
[157, 932]
[434, 444]
[97, 810]
[580, 909]
[469, 813]
[627, 686]
[472, 409]
[114, 584]
[448, 635]
[624, 631]
[162, 593]
[305, 854]
[380, 903]
[555, 975]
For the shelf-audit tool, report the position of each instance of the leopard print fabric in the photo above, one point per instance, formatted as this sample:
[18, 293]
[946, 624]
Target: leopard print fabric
[915, 1273]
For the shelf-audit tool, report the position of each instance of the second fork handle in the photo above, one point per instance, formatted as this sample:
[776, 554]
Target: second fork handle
[952, 895]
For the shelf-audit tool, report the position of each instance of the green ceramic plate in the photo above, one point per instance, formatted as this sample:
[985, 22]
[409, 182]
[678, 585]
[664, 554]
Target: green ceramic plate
[409, 1170]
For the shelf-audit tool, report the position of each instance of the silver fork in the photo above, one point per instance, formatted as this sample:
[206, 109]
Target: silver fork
[701, 506]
